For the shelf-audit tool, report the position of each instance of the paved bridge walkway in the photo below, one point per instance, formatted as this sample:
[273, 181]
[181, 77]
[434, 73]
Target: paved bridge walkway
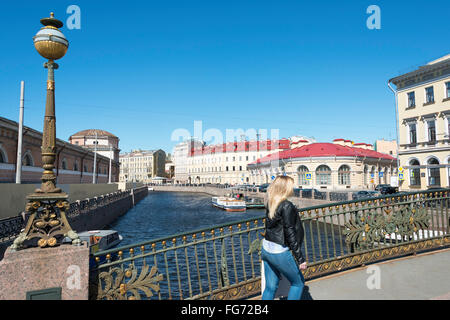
[425, 276]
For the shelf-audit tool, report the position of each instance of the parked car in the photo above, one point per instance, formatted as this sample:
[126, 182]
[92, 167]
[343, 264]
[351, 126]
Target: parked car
[312, 193]
[438, 203]
[386, 189]
[364, 194]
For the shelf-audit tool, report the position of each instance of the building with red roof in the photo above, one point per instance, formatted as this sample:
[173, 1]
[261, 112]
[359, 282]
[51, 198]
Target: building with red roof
[227, 162]
[341, 164]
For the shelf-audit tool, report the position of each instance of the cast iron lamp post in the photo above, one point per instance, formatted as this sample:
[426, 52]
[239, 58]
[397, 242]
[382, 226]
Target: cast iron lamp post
[47, 205]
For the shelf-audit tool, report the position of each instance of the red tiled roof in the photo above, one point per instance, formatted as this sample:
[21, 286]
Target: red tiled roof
[92, 132]
[323, 150]
[240, 147]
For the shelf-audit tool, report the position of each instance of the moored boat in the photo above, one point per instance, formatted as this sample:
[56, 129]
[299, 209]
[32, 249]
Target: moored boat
[254, 203]
[229, 204]
[100, 239]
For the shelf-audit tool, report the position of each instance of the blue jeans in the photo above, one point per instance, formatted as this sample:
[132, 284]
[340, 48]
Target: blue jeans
[277, 264]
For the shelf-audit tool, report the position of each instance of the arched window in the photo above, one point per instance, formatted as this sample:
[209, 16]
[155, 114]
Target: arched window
[344, 175]
[323, 175]
[366, 172]
[301, 171]
[75, 165]
[2, 157]
[64, 164]
[434, 176]
[27, 160]
[414, 172]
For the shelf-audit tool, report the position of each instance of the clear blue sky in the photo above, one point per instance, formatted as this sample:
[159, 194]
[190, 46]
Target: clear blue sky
[141, 69]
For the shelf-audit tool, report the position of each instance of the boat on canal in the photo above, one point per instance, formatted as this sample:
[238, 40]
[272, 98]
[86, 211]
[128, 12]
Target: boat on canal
[99, 240]
[229, 204]
[254, 203]
[250, 203]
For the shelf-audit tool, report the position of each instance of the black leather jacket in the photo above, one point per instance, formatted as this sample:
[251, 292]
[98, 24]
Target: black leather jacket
[286, 229]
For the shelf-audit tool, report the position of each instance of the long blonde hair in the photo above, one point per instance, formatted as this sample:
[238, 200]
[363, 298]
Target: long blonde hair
[278, 191]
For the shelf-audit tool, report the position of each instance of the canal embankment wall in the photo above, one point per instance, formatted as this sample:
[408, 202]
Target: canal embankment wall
[99, 212]
[83, 215]
[13, 196]
[300, 202]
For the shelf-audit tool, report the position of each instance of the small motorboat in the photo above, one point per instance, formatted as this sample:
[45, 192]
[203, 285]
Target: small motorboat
[99, 240]
[229, 204]
[150, 189]
[254, 203]
[250, 203]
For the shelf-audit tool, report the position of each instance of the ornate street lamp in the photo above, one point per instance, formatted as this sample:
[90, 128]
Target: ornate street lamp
[48, 204]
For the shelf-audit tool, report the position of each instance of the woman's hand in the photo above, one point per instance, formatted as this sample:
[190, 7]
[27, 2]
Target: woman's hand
[303, 266]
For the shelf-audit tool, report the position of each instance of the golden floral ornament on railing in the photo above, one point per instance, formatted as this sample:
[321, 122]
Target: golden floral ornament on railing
[370, 227]
[119, 284]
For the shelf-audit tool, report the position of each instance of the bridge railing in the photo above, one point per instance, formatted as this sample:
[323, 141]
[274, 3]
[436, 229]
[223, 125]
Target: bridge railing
[223, 262]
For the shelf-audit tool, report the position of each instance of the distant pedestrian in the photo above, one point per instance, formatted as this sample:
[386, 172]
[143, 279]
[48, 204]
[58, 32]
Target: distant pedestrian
[281, 249]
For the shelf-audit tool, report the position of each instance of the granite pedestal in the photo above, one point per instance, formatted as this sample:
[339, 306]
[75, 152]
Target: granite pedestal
[63, 269]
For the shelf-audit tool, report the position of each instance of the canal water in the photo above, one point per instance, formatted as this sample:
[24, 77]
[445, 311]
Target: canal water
[188, 271]
[162, 214]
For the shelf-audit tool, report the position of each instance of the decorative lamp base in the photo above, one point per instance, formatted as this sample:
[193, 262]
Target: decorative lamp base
[47, 222]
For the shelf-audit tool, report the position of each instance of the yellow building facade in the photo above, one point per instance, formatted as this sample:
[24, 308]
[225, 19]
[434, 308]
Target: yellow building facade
[423, 108]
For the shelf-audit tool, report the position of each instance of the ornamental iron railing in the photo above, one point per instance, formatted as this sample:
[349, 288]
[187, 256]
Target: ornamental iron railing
[223, 262]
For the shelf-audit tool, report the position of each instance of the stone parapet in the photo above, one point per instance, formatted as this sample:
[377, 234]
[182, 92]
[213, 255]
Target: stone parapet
[64, 269]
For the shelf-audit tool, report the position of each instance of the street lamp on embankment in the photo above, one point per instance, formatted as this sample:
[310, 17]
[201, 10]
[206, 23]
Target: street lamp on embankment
[48, 204]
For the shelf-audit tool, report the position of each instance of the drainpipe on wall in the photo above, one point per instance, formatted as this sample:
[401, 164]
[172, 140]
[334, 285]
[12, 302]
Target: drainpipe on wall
[396, 118]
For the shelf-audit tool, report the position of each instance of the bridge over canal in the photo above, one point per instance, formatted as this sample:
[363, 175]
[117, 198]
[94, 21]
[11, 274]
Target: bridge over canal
[223, 262]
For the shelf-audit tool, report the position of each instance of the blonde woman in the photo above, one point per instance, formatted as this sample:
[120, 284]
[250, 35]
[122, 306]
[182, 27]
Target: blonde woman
[281, 249]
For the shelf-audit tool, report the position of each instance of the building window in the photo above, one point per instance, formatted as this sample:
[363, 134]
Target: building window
[429, 94]
[366, 171]
[323, 175]
[301, 171]
[64, 164]
[448, 171]
[434, 177]
[447, 89]
[431, 130]
[2, 158]
[240, 168]
[344, 175]
[27, 161]
[226, 168]
[414, 173]
[412, 133]
[411, 100]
